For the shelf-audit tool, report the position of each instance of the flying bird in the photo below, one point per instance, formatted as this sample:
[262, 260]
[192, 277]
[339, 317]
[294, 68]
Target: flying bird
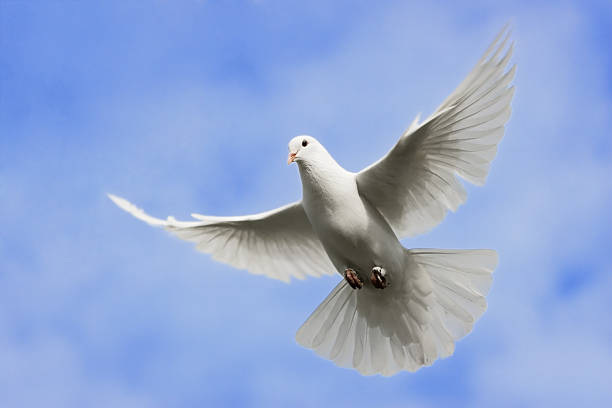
[395, 308]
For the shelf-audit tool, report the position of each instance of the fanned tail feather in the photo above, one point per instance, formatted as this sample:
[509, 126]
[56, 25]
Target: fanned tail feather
[408, 325]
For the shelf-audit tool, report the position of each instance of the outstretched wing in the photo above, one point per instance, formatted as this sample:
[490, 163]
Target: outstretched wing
[279, 243]
[415, 184]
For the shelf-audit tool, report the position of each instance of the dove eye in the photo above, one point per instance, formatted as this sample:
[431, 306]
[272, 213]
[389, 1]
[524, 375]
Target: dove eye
[304, 143]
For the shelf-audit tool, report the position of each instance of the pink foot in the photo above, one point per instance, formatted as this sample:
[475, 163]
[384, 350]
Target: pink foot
[378, 278]
[353, 279]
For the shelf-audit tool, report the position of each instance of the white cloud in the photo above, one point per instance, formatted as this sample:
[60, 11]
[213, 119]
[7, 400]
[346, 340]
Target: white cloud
[92, 280]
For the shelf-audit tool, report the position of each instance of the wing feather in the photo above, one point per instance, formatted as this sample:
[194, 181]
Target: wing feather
[279, 244]
[415, 184]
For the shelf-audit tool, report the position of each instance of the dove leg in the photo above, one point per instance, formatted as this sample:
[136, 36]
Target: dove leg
[378, 277]
[352, 278]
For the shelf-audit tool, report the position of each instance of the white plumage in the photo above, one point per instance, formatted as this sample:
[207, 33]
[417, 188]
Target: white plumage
[353, 221]
[268, 243]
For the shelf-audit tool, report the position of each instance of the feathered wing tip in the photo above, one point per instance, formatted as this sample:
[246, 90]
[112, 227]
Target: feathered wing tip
[383, 332]
[139, 213]
[493, 59]
[170, 223]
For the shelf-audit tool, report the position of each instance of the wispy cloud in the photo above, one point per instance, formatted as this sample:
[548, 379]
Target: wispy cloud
[189, 108]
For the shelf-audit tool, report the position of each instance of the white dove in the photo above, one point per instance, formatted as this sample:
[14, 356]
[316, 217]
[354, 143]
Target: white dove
[396, 308]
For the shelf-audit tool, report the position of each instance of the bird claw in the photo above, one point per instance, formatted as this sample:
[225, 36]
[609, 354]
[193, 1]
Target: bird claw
[353, 279]
[378, 278]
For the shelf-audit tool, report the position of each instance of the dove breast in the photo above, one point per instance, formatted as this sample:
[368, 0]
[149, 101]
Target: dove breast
[353, 232]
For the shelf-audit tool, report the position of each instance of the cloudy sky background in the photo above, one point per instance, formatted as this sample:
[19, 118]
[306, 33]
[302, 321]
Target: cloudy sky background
[188, 106]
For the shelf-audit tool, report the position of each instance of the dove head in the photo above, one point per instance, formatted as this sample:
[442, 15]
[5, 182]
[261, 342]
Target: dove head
[305, 149]
[313, 160]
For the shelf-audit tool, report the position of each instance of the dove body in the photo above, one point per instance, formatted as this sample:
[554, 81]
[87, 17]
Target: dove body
[353, 233]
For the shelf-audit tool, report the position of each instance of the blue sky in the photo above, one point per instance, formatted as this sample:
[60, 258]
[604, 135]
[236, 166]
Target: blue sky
[188, 107]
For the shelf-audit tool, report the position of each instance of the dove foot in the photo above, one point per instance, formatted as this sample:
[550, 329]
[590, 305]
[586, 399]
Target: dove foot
[378, 278]
[353, 279]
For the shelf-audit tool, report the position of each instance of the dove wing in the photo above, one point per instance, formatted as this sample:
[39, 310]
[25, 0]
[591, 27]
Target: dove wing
[279, 243]
[415, 184]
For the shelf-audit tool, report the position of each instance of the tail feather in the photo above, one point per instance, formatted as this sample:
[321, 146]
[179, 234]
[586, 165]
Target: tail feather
[405, 327]
[461, 280]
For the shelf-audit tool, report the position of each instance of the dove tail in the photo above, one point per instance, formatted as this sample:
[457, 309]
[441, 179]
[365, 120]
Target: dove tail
[409, 324]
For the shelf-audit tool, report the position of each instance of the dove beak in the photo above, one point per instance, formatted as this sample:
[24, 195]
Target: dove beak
[291, 158]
